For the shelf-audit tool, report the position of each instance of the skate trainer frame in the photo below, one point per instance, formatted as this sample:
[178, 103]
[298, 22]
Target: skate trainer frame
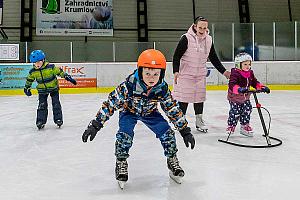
[268, 138]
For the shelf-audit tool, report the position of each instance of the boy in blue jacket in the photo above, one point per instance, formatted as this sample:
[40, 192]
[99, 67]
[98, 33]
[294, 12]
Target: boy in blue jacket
[137, 99]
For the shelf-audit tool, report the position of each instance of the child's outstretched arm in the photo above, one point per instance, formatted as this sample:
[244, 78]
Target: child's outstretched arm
[259, 86]
[70, 79]
[173, 112]
[115, 101]
[59, 72]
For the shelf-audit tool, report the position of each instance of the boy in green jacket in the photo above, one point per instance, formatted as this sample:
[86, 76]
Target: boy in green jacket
[45, 75]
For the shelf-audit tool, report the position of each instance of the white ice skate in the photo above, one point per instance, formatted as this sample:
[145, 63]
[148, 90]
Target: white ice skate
[176, 173]
[246, 130]
[121, 172]
[177, 179]
[200, 124]
[121, 184]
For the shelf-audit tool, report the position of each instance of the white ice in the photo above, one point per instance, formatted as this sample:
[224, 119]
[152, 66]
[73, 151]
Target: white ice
[55, 164]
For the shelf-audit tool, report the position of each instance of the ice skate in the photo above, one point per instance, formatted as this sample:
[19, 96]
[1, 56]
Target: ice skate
[121, 184]
[59, 123]
[176, 172]
[40, 125]
[230, 129]
[246, 130]
[121, 172]
[200, 124]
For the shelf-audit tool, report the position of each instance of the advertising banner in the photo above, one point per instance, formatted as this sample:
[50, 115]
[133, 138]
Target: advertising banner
[84, 74]
[13, 76]
[74, 17]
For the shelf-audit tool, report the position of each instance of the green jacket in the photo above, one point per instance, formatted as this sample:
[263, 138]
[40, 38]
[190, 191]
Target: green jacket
[45, 77]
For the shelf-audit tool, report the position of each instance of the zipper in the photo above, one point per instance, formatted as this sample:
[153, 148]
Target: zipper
[43, 78]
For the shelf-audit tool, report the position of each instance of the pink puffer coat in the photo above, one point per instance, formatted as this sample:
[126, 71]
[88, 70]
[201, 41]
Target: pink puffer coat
[191, 82]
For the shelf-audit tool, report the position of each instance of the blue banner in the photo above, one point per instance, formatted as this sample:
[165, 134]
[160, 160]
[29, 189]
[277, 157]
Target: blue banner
[13, 76]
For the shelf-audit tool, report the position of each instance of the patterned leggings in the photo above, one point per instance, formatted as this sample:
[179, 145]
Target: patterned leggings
[239, 111]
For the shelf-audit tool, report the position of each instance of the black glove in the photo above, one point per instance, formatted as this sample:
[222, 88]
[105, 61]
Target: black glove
[188, 137]
[92, 129]
[243, 90]
[265, 89]
[70, 79]
[27, 91]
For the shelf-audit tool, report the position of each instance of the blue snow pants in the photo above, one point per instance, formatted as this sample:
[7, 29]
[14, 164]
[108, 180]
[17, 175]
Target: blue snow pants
[153, 121]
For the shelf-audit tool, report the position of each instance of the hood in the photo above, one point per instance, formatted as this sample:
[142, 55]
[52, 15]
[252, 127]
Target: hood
[142, 87]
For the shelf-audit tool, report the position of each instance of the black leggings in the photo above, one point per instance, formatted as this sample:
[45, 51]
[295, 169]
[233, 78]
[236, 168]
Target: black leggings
[198, 107]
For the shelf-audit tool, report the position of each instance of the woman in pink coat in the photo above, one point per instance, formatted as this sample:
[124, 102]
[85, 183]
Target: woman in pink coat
[189, 68]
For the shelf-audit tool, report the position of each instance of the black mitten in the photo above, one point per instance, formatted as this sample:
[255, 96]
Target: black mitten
[188, 137]
[91, 131]
[265, 89]
[70, 79]
[27, 91]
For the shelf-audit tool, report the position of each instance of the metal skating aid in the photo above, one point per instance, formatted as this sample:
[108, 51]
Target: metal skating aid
[268, 138]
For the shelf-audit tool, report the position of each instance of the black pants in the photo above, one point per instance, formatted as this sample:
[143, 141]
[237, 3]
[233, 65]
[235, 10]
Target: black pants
[198, 107]
[42, 111]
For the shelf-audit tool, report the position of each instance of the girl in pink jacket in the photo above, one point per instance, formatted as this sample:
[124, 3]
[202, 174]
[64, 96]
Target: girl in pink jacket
[241, 78]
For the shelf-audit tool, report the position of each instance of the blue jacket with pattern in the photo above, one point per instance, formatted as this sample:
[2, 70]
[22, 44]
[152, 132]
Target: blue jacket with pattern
[132, 96]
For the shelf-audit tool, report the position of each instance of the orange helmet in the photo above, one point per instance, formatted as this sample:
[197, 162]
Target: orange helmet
[152, 58]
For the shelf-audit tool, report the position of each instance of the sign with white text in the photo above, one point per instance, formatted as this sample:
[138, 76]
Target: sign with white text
[74, 17]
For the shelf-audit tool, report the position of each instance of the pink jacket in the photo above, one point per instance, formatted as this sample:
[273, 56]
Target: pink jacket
[239, 78]
[191, 82]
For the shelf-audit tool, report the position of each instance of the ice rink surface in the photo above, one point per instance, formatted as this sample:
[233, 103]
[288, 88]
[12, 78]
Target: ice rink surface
[54, 164]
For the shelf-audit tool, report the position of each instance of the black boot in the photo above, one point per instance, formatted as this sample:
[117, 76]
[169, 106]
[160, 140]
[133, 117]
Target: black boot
[173, 165]
[121, 170]
[59, 123]
[40, 125]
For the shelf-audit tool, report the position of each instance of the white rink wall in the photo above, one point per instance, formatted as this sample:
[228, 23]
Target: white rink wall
[99, 75]
[279, 73]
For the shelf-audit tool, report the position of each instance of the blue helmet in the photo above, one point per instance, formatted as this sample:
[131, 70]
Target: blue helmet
[37, 55]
